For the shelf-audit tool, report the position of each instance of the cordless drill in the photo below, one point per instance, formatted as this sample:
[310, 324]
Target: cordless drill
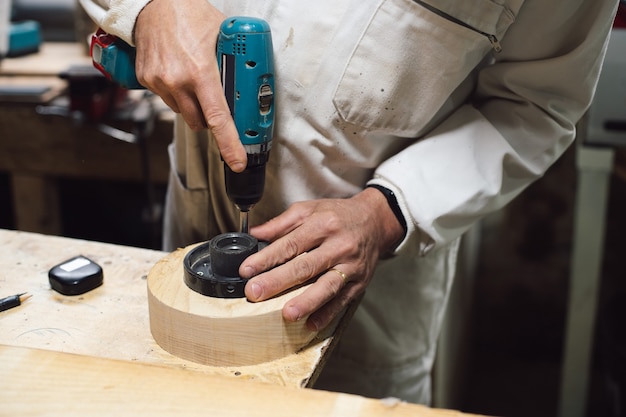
[246, 63]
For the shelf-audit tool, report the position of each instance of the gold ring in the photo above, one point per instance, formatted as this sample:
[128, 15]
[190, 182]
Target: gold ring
[344, 276]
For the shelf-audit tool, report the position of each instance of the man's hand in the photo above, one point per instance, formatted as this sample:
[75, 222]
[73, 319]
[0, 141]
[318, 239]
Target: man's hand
[337, 241]
[176, 43]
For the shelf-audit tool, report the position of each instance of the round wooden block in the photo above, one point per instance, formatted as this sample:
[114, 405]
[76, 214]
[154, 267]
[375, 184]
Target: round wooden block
[218, 331]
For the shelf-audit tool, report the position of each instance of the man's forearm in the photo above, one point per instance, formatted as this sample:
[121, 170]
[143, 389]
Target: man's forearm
[521, 120]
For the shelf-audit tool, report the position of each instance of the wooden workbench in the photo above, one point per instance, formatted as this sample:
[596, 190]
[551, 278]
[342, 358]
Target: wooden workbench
[93, 354]
[35, 383]
[37, 150]
[111, 321]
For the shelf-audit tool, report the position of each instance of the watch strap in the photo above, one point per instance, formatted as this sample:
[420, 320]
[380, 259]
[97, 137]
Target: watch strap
[393, 204]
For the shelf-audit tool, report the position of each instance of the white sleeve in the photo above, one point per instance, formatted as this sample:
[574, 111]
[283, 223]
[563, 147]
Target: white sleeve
[521, 118]
[116, 17]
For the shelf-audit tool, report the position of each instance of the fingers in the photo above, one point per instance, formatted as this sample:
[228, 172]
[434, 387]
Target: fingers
[327, 313]
[327, 287]
[200, 100]
[293, 273]
[218, 119]
[323, 300]
[334, 242]
[306, 247]
[176, 43]
[302, 268]
[325, 297]
[297, 257]
[283, 224]
[204, 106]
[288, 241]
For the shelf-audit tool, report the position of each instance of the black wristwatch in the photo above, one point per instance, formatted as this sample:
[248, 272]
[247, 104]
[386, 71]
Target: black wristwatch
[393, 204]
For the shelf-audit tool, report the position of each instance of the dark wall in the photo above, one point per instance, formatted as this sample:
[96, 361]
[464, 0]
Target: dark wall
[56, 17]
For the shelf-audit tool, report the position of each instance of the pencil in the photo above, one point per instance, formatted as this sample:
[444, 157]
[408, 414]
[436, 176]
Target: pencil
[13, 301]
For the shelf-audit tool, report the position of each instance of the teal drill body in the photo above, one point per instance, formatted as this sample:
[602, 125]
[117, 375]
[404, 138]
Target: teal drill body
[246, 63]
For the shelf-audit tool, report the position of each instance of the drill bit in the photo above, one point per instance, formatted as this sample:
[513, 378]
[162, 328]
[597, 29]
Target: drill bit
[243, 221]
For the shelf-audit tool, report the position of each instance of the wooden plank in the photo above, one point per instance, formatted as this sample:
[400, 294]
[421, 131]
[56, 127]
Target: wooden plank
[52, 59]
[218, 331]
[111, 321]
[37, 90]
[34, 382]
[55, 146]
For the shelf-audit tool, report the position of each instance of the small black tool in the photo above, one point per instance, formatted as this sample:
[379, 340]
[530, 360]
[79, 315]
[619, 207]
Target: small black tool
[13, 301]
[75, 276]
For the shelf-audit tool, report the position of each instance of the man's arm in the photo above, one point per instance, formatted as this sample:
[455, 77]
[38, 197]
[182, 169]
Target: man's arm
[521, 119]
[175, 44]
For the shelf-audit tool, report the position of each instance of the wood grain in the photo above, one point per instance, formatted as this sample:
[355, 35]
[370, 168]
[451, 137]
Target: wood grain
[218, 331]
[112, 321]
[37, 382]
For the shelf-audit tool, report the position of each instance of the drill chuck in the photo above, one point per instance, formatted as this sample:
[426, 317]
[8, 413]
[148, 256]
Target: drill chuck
[245, 189]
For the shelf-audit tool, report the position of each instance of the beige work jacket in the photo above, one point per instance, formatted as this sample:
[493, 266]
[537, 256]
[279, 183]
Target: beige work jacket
[455, 105]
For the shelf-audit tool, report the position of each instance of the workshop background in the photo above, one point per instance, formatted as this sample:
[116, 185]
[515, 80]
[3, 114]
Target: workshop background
[514, 349]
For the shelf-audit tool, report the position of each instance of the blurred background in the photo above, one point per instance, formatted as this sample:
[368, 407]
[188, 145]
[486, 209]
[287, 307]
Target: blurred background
[80, 158]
